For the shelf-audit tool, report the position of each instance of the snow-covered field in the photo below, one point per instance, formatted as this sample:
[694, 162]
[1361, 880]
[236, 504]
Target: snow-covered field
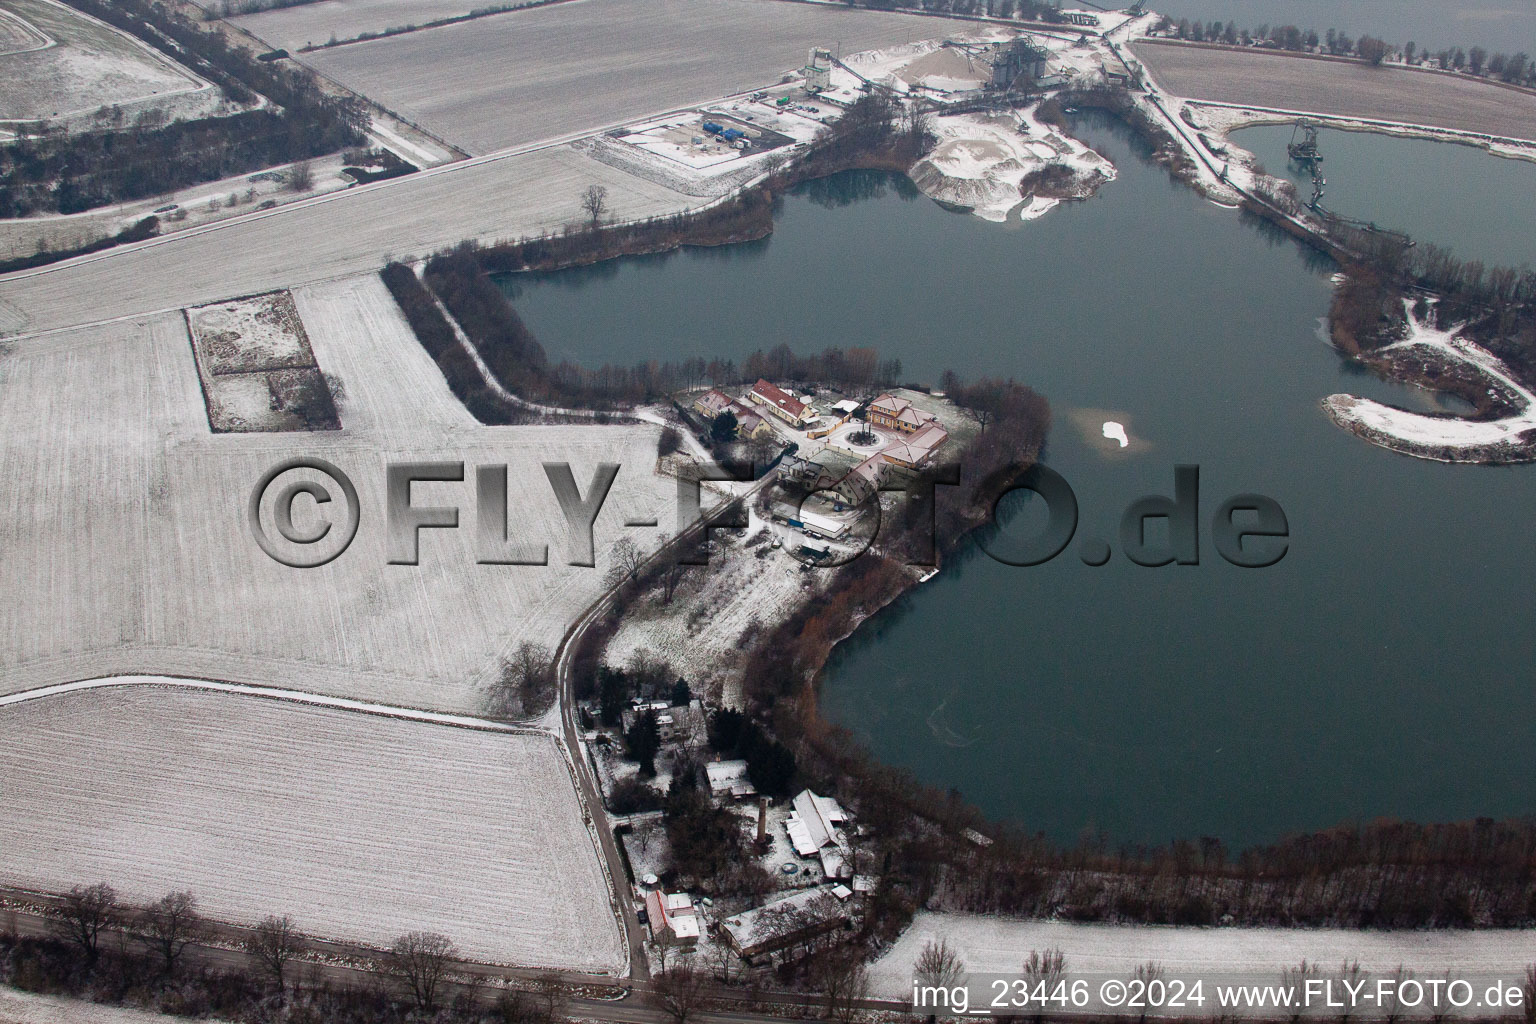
[293, 27]
[1442, 438]
[1342, 88]
[127, 550]
[259, 332]
[359, 826]
[90, 65]
[352, 232]
[17, 1007]
[992, 946]
[517, 78]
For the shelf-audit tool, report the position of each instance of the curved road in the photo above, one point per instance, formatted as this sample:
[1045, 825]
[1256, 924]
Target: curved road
[562, 665]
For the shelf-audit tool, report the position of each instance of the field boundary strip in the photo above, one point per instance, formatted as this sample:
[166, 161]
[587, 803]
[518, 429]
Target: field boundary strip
[273, 693]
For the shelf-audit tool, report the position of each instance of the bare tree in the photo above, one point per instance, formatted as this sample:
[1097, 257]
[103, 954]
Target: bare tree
[1391, 1003]
[86, 911]
[723, 959]
[1293, 981]
[1528, 1004]
[514, 1006]
[1350, 978]
[671, 577]
[301, 177]
[1147, 975]
[595, 201]
[844, 980]
[524, 687]
[550, 992]
[168, 925]
[273, 944]
[1044, 973]
[938, 965]
[626, 563]
[680, 991]
[1044, 970]
[419, 960]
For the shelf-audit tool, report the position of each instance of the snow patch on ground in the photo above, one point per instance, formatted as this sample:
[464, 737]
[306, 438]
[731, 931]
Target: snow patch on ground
[17, 1007]
[705, 632]
[992, 945]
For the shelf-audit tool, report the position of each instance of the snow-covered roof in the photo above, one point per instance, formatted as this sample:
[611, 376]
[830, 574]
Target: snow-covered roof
[820, 815]
[842, 892]
[900, 410]
[729, 778]
[863, 480]
[713, 402]
[679, 903]
[845, 406]
[800, 837]
[806, 908]
[834, 865]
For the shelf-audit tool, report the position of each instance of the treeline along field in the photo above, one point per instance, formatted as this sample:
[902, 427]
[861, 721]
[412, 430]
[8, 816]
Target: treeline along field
[51, 171]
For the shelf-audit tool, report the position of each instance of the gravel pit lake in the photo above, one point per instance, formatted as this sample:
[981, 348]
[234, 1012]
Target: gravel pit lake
[1382, 668]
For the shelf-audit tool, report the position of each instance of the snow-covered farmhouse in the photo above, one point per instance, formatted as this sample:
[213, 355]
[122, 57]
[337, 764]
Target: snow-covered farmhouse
[814, 828]
[672, 917]
[749, 424]
[792, 921]
[781, 403]
[898, 414]
[728, 780]
[712, 403]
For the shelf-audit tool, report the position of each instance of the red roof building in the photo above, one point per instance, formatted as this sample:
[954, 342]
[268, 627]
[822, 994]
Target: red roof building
[781, 403]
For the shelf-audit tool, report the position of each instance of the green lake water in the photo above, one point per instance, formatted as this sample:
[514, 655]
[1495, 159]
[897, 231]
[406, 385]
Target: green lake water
[1383, 668]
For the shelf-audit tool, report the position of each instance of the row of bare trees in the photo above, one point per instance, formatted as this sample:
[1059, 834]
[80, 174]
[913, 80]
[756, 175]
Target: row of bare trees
[164, 927]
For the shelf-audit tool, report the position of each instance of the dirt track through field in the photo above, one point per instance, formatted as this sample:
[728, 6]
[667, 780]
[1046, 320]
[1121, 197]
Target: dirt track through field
[1341, 88]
